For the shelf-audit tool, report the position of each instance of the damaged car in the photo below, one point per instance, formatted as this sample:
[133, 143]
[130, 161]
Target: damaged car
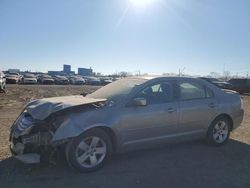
[2, 82]
[124, 115]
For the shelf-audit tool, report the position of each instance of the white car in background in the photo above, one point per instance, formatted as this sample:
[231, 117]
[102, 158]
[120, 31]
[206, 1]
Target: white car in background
[29, 79]
[2, 82]
[13, 78]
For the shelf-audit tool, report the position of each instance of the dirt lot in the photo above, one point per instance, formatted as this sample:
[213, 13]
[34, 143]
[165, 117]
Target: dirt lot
[190, 164]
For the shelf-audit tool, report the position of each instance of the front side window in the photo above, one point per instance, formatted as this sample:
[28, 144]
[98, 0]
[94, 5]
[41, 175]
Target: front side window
[192, 90]
[158, 93]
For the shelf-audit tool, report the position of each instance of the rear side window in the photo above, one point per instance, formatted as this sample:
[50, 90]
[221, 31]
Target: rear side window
[192, 90]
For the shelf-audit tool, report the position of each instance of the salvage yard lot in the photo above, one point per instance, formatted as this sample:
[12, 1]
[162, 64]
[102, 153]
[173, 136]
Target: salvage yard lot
[189, 164]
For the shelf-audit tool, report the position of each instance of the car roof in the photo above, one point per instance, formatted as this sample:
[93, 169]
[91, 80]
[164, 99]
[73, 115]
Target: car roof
[239, 79]
[221, 82]
[162, 77]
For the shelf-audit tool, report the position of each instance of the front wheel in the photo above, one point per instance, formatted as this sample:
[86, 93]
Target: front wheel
[219, 131]
[89, 151]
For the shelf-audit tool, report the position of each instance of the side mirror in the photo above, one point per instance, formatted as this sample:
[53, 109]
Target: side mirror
[139, 102]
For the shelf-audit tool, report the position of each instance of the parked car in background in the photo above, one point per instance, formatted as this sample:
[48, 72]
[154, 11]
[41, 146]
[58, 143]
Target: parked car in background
[115, 79]
[76, 80]
[92, 81]
[45, 79]
[2, 82]
[13, 78]
[61, 80]
[218, 83]
[123, 115]
[223, 85]
[241, 85]
[209, 79]
[29, 79]
[105, 81]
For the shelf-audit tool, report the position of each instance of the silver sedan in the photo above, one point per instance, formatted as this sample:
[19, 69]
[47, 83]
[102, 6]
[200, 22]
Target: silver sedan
[124, 115]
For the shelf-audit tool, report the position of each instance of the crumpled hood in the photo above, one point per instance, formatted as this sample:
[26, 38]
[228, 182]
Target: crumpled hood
[42, 108]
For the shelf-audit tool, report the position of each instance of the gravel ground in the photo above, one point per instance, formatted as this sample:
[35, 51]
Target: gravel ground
[190, 164]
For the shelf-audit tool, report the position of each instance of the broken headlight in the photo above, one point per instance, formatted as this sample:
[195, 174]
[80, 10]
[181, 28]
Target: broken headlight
[24, 123]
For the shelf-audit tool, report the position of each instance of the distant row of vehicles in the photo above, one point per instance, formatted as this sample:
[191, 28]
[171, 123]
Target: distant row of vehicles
[16, 78]
[241, 85]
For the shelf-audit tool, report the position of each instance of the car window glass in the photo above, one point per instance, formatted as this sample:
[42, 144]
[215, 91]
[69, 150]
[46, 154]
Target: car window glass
[209, 92]
[248, 82]
[192, 90]
[158, 93]
[156, 88]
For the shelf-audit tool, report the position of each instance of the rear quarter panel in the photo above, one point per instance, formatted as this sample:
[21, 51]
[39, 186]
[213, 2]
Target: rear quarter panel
[230, 103]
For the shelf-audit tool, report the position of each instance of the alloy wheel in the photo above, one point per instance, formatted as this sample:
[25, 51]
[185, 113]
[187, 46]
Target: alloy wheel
[91, 151]
[220, 132]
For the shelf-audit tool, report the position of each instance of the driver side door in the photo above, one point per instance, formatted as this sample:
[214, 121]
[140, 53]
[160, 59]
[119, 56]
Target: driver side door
[155, 121]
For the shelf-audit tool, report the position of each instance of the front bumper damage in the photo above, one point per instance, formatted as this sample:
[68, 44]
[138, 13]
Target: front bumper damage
[30, 147]
[34, 135]
[34, 148]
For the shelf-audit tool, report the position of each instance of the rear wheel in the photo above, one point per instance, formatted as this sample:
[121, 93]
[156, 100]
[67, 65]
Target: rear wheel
[89, 151]
[219, 131]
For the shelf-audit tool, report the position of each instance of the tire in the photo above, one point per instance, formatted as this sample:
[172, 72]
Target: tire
[219, 131]
[89, 151]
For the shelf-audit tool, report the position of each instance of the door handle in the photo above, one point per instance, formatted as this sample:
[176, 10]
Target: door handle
[211, 105]
[171, 110]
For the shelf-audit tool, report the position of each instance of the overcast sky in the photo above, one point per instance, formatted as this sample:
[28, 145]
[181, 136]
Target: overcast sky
[121, 35]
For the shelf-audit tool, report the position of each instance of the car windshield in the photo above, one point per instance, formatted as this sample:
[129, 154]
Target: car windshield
[61, 77]
[117, 88]
[13, 74]
[77, 78]
[46, 76]
[29, 76]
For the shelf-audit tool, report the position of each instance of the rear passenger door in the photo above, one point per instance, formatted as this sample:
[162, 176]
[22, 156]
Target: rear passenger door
[197, 106]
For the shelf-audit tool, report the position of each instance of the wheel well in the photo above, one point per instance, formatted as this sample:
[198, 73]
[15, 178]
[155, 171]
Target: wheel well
[111, 134]
[229, 118]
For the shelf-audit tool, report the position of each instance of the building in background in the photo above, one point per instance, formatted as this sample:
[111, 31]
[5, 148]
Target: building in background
[13, 70]
[54, 73]
[67, 69]
[85, 71]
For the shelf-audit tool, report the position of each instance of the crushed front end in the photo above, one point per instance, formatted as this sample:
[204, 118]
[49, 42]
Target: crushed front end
[32, 135]
[31, 139]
